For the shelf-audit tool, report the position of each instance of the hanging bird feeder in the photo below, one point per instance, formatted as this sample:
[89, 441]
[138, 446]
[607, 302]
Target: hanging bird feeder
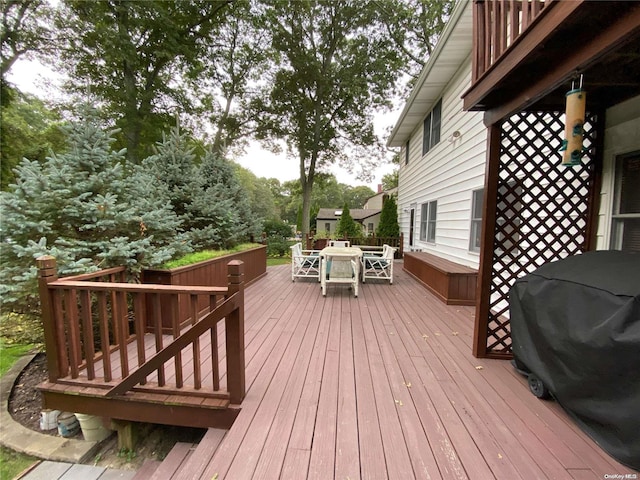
[574, 125]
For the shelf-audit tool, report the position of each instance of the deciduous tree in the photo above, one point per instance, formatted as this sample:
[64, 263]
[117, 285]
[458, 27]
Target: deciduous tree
[335, 68]
[132, 56]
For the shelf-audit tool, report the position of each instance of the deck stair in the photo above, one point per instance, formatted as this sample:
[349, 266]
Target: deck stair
[195, 465]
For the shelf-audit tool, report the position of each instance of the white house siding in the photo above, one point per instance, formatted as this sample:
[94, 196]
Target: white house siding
[448, 173]
[622, 135]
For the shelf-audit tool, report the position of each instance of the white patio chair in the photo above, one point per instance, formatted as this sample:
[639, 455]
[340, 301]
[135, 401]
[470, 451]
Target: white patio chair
[378, 265]
[304, 263]
[340, 270]
[339, 243]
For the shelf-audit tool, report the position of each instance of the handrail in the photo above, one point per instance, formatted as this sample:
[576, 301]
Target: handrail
[138, 288]
[96, 274]
[168, 352]
[91, 324]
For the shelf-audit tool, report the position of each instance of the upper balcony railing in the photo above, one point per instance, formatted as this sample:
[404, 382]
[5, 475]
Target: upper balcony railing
[498, 24]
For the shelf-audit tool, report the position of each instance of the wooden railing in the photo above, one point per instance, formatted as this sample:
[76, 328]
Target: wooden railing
[370, 241]
[498, 24]
[95, 334]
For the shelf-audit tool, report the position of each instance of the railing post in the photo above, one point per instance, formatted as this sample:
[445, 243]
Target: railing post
[234, 326]
[47, 272]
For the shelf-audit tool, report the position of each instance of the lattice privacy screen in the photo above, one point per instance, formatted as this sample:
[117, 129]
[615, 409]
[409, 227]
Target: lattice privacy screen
[542, 208]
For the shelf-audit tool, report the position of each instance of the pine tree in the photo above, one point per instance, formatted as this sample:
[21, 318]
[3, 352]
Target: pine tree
[84, 207]
[388, 226]
[221, 215]
[347, 226]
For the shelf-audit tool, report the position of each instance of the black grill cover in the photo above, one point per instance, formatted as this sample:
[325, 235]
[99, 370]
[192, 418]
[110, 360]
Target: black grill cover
[575, 324]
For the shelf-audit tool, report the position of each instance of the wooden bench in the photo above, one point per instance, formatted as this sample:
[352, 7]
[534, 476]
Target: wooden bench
[451, 282]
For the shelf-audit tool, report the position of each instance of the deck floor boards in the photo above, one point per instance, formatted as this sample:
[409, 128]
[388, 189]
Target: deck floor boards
[383, 386]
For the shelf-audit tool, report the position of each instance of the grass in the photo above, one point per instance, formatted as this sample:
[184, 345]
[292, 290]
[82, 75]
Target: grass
[273, 261]
[196, 257]
[9, 354]
[12, 463]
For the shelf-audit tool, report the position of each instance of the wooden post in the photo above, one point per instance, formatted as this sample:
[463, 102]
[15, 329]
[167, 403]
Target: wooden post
[234, 326]
[483, 289]
[48, 272]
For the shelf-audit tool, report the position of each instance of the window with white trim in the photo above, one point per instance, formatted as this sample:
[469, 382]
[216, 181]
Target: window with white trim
[625, 225]
[477, 198]
[431, 128]
[428, 215]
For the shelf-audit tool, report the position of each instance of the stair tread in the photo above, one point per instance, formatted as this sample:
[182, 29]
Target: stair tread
[173, 461]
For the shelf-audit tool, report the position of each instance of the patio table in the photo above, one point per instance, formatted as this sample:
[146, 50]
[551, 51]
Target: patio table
[340, 265]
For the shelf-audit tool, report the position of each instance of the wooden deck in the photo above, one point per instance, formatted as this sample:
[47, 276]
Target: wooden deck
[383, 386]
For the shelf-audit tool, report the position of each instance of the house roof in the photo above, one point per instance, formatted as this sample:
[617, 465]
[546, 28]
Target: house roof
[453, 47]
[356, 213]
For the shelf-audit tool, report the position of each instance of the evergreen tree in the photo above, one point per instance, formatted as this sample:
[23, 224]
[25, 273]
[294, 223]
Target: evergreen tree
[388, 226]
[173, 167]
[347, 226]
[221, 214]
[84, 207]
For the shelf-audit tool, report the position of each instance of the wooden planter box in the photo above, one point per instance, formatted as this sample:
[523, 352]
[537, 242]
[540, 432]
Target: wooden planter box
[208, 273]
[451, 282]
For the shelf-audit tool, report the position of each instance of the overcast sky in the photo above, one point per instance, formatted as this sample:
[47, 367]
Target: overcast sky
[33, 78]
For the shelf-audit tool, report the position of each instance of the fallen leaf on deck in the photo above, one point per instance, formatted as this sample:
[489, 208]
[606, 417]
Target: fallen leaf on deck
[479, 367]
[399, 402]
[408, 385]
[437, 334]
[499, 456]
[455, 334]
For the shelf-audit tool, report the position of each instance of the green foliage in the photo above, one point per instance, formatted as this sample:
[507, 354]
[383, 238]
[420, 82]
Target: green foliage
[27, 130]
[87, 209]
[336, 67]
[17, 329]
[278, 246]
[347, 227]
[390, 180]
[26, 30]
[213, 208]
[259, 193]
[278, 233]
[201, 256]
[10, 354]
[414, 26]
[388, 226]
[277, 228]
[13, 463]
[221, 214]
[145, 50]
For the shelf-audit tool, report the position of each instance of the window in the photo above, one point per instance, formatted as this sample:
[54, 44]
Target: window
[477, 198]
[370, 227]
[406, 153]
[428, 221]
[625, 231]
[431, 130]
[327, 227]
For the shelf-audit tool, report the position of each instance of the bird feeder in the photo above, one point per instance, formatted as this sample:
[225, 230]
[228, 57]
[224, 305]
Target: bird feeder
[574, 125]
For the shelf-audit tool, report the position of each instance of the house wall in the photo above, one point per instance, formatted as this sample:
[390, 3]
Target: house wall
[320, 224]
[448, 173]
[622, 135]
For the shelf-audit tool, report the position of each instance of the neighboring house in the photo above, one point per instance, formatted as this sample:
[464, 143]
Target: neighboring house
[369, 216]
[378, 199]
[481, 182]
[327, 219]
[441, 176]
